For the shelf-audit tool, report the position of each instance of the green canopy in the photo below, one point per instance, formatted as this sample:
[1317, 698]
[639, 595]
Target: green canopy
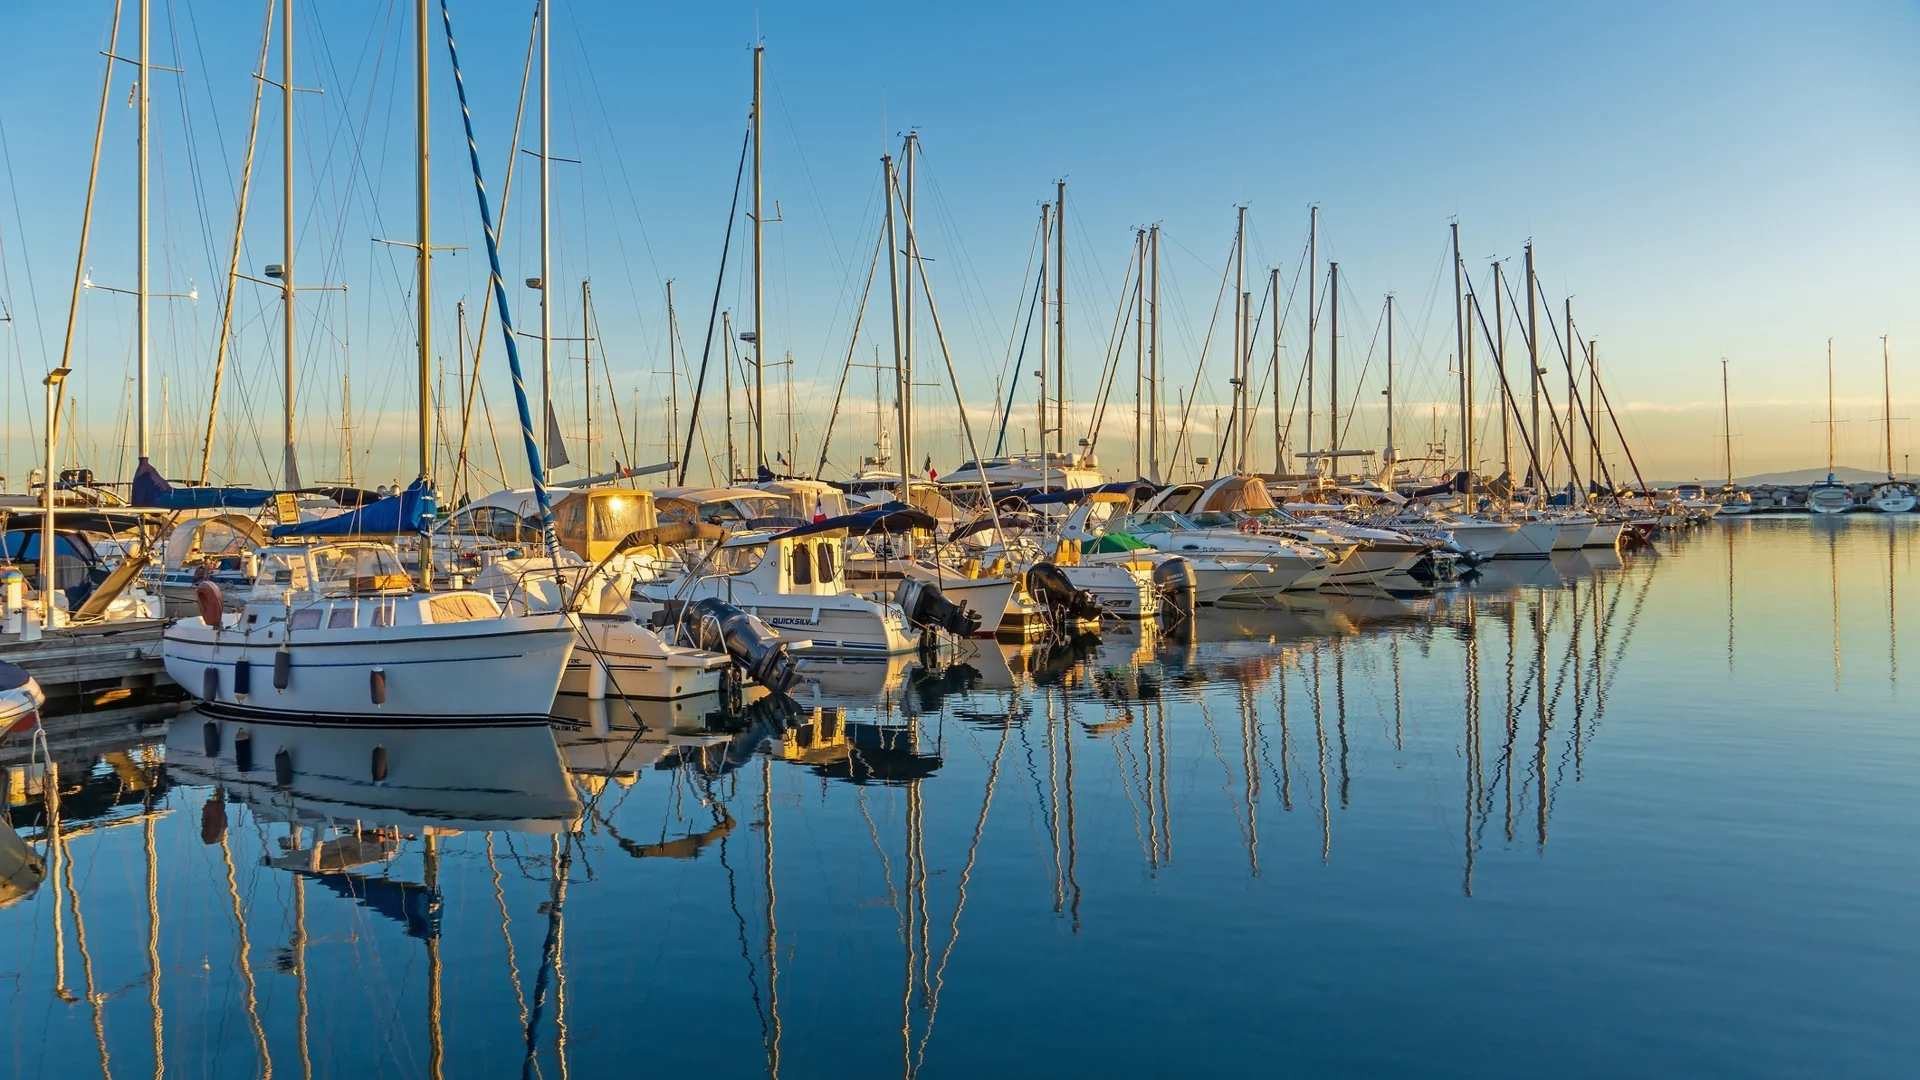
[1115, 542]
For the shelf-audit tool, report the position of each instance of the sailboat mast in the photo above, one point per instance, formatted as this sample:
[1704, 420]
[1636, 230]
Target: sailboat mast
[1333, 368]
[290, 468]
[1533, 363]
[586, 351]
[673, 374]
[1313, 311]
[1572, 468]
[907, 154]
[1500, 365]
[1240, 340]
[1273, 285]
[546, 240]
[1153, 364]
[141, 287]
[1886, 390]
[1390, 451]
[759, 283]
[1060, 320]
[1140, 344]
[1726, 419]
[1829, 408]
[425, 289]
[899, 370]
[1046, 224]
[1460, 353]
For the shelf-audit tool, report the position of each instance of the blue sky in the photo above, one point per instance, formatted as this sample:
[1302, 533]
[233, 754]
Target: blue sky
[1706, 180]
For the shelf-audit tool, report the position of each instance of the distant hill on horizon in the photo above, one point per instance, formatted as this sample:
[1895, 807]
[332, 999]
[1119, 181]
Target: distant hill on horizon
[1846, 474]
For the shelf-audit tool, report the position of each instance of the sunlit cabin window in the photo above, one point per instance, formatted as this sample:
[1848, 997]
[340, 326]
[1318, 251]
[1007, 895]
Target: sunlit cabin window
[573, 526]
[802, 564]
[358, 569]
[617, 515]
[825, 550]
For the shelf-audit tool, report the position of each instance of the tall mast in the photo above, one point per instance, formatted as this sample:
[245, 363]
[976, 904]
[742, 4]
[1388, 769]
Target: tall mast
[893, 288]
[1046, 225]
[1726, 419]
[1060, 317]
[1279, 459]
[1153, 364]
[586, 349]
[546, 240]
[1573, 469]
[759, 285]
[1460, 353]
[141, 286]
[290, 469]
[1533, 365]
[1593, 410]
[1313, 310]
[1829, 408]
[1333, 367]
[673, 372]
[1500, 363]
[911, 144]
[1240, 339]
[1390, 451]
[425, 289]
[1886, 389]
[1140, 345]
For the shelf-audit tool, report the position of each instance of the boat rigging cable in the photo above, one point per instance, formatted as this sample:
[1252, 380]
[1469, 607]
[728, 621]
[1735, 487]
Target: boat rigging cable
[1519, 422]
[706, 350]
[1002, 385]
[547, 537]
[853, 342]
[1200, 367]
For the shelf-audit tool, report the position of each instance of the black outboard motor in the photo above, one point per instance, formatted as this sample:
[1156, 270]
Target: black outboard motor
[717, 626]
[1047, 584]
[1173, 583]
[929, 609]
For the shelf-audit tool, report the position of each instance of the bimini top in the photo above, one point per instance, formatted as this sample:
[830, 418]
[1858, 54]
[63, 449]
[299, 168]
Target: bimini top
[1126, 489]
[395, 515]
[891, 518]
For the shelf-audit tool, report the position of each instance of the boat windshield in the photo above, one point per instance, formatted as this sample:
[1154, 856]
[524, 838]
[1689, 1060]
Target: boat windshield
[1152, 524]
[357, 568]
[1216, 519]
[739, 559]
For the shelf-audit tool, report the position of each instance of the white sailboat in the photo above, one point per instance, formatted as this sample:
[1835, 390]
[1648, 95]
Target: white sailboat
[1895, 496]
[1829, 496]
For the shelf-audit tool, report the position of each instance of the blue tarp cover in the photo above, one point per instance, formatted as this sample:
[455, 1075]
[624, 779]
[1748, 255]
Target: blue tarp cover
[152, 489]
[392, 516]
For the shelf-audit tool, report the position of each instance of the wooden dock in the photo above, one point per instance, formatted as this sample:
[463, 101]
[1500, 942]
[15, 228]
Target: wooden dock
[87, 662]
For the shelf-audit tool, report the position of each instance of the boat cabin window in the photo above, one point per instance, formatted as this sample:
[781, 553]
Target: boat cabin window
[802, 563]
[1214, 519]
[358, 569]
[572, 516]
[305, 619]
[825, 554]
[614, 516]
[1150, 524]
[739, 560]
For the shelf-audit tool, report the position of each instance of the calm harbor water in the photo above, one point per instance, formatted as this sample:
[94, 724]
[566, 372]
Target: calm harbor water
[1649, 814]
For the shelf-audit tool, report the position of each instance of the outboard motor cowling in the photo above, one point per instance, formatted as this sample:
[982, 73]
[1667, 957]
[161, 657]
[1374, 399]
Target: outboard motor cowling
[1173, 583]
[717, 626]
[928, 608]
[1051, 587]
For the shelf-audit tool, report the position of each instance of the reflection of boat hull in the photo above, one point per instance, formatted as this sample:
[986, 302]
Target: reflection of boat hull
[495, 774]
[471, 674]
[21, 871]
[616, 655]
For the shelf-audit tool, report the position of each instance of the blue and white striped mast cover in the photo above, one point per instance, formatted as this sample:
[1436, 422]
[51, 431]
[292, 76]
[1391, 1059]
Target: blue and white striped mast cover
[500, 301]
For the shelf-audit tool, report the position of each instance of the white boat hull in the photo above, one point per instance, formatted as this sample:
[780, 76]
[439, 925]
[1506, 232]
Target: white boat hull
[1120, 591]
[616, 656]
[1533, 540]
[1829, 500]
[1604, 534]
[471, 674]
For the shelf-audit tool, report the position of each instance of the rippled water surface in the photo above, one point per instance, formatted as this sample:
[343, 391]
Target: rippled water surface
[1650, 814]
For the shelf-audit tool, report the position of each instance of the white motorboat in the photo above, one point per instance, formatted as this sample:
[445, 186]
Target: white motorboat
[333, 633]
[794, 585]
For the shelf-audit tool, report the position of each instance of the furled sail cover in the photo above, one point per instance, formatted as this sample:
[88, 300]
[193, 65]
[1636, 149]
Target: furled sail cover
[152, 489]
[392, 516]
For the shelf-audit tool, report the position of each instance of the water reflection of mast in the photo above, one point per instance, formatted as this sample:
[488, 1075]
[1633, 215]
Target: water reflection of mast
[1476, 775]
[1286, 747]
[773, 933]
[153, 940]
[1320, 734]
[436, 1050]
[1833, 577]
[1340, 715]
[1540, 705]
[1893, 634]
[298, 947]
[246, 949]
[1073, 857]
[1729, 534]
